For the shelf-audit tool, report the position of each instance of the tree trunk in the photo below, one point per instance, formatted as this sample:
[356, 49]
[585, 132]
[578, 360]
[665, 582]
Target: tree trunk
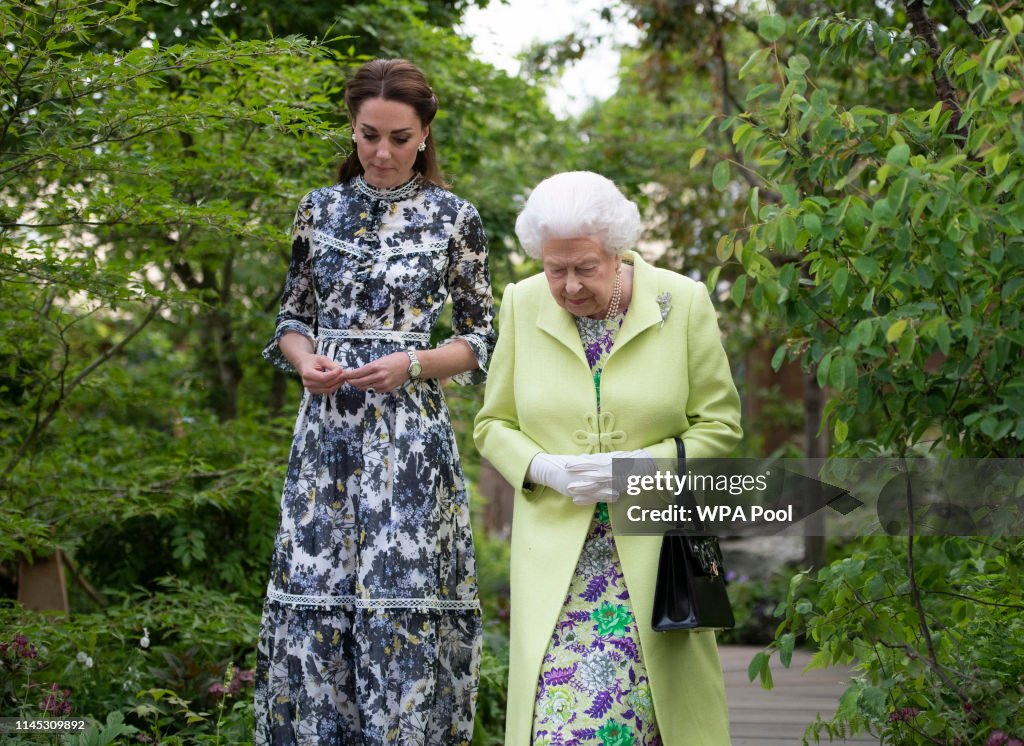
[816, 447]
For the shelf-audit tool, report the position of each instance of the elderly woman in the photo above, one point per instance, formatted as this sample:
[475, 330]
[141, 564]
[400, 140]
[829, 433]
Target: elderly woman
[602, 356]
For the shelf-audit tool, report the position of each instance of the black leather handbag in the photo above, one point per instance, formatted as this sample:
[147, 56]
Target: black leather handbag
[689, 592]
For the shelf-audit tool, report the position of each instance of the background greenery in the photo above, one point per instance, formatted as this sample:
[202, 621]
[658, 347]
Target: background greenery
[846, 176]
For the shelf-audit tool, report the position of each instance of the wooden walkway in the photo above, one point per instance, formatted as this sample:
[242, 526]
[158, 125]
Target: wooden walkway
[779, 717]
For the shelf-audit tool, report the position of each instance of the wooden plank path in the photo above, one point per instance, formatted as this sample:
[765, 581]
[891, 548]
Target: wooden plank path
[779, 717]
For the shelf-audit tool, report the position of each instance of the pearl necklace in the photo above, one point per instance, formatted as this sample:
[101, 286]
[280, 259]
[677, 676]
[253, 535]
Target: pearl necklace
[613, 307]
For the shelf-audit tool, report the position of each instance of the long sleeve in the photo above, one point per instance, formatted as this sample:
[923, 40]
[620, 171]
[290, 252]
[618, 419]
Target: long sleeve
[298, 300]
[496, 431]
[469, 282]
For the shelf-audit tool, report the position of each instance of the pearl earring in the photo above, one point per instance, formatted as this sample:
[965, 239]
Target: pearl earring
[353, 137]
[422, 146]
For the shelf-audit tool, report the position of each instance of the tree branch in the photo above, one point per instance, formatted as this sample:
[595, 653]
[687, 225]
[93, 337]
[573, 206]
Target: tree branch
[978, 28]
[55, 406]
[915, 594]
[922, 24]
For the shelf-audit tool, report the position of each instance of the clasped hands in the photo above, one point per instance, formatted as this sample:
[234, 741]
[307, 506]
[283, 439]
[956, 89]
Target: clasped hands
[322, 375]
[586, 479]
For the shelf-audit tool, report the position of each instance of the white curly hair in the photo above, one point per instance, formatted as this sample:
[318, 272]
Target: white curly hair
[578, 204]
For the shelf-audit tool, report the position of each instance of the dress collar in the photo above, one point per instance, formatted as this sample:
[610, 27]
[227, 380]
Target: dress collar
[395, 194]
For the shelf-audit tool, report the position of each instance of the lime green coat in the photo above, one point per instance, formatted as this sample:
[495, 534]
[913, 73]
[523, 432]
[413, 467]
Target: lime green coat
[661, 380]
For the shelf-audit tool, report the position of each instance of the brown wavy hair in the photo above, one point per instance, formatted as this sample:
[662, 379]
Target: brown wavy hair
[393, 80]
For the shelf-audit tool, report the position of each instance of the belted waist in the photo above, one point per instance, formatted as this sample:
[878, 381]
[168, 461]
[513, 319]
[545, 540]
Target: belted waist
[385, 334]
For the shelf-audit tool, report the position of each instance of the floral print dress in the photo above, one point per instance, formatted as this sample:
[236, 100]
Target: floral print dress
[371, 628]
[593, 686]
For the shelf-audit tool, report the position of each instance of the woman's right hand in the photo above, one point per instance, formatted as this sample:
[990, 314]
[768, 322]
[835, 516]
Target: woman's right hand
[550, 470]
[320, 374]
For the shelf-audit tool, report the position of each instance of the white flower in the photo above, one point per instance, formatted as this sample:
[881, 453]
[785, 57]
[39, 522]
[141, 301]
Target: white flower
[84, 658]
[144, 642]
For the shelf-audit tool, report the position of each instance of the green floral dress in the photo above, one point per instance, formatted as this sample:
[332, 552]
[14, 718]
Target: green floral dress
[593, 686]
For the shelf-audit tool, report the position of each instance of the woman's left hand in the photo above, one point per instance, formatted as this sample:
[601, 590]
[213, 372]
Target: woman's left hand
[383, 374]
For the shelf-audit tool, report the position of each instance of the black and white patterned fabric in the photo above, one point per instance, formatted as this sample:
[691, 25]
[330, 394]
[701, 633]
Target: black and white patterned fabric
[371, 628]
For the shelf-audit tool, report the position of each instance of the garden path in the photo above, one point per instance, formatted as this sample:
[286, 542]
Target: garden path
[779, 717]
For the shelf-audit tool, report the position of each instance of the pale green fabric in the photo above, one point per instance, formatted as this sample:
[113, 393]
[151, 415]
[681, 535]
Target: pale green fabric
[664, 378]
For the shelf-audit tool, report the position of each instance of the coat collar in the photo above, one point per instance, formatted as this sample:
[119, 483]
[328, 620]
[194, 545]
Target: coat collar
[643, 311]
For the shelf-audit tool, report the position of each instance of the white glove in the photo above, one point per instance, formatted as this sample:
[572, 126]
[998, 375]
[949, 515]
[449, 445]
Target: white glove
[549, 470]
[592, 479]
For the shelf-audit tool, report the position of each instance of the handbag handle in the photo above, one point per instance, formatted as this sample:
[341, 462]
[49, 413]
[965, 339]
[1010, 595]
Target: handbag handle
[686, 496]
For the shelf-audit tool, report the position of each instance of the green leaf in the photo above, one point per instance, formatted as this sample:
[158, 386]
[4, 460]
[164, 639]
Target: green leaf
[812, 223]
[754, 61]
[839, 281]
[861, 336]
[697, 157]
[787, 231]
[778, 358]
[873, 699]
[999, 162]
[724, 249]
[704, 124]
[771, 28]
[799, 64]
[739, 290]
[942, 337]
[841, 430]
[712, 281]
[977, 12]
[720, 175]
[848, 701]
[837, 373]
[823, 371]
[786, 644]
[898, 155]
[882, 210]
[896, 330]
[868, 268]
[756, 664]
[759, 90]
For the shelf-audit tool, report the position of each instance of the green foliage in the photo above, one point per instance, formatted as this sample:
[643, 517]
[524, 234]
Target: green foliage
[489, 727]
[937, 650]
[755, 604]
[177, 658]
[854, 189]
[887, 241]
[891, 246]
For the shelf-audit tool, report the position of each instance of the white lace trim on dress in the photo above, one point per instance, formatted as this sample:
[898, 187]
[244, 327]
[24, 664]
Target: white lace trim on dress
[346, 246]
[324, 602]
[389, 334]
[406, 190]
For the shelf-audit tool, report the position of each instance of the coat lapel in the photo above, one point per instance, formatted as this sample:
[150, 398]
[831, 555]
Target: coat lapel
[558, 323]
